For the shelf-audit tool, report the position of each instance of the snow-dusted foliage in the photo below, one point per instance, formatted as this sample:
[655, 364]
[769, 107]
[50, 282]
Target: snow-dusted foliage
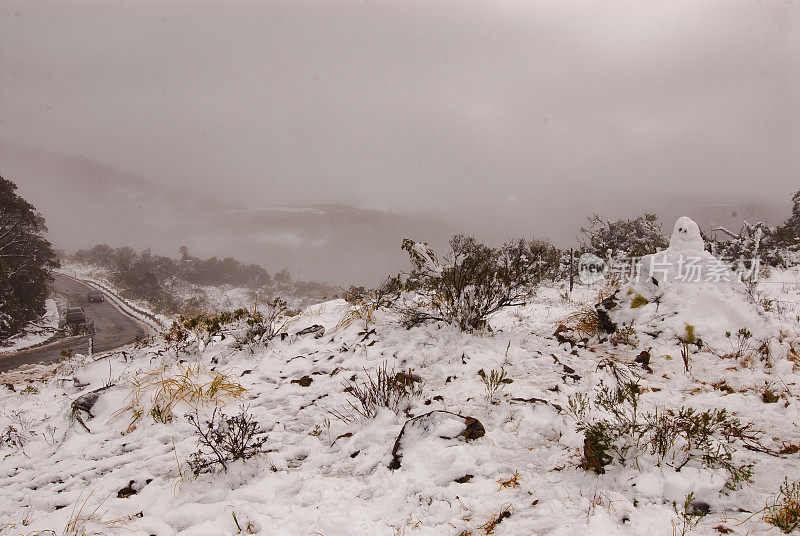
[622, 238]
[190, 283]
[773, 246]
[474, 280]
[752, 241]
[26, 258]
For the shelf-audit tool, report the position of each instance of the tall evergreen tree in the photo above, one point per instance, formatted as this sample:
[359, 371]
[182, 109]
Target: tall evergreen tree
[26, 259]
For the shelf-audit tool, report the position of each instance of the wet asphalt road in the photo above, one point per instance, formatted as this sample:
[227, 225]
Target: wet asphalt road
[112, 328]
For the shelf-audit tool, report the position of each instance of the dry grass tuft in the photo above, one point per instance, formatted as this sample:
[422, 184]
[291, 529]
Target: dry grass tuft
[386, 388]
[362, 311]
[783, 511]
[491, 524]
[157, 392]
[585, 321]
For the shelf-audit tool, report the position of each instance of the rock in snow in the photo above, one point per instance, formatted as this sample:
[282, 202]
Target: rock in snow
[316, 329]
[437, 425]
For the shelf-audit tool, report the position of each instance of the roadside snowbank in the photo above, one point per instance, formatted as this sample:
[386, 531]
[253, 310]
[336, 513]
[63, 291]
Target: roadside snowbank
[37, 332]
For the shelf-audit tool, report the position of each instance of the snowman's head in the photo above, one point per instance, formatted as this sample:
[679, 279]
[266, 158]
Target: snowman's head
[686, 236]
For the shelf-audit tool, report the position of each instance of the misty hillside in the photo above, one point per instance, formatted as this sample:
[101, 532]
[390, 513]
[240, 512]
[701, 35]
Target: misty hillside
[87, 203]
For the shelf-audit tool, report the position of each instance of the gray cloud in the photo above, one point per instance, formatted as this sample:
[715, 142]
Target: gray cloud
[509, 117]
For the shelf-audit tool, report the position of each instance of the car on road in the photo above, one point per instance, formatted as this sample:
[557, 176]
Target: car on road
[75, 315]
[95, 296]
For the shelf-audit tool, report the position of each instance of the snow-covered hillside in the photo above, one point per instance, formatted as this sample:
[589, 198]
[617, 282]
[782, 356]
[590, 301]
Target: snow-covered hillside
[93, 467]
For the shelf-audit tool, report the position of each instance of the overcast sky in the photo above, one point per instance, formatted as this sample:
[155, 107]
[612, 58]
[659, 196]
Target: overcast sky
[522, 107]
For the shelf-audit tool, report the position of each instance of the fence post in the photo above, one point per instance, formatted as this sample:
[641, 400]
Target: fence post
[91, 347]
[571, 271]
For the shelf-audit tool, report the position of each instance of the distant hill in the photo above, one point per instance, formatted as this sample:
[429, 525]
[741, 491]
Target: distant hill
[87, 203]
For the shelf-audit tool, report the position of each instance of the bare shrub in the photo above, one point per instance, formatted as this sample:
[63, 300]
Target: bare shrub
[383, 389]
[472, 281]
[623, 432]
[12, 437]
[266, 326]
[494, 382]
[224, 439]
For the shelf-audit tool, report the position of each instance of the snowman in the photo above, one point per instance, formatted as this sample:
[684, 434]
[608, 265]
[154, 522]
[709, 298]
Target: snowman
[686, 238]
[684, 261]
[686, 285]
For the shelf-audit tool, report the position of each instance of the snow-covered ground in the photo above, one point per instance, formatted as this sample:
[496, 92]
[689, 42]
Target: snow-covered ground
[327, 476]
[782, 287]
[37, 332]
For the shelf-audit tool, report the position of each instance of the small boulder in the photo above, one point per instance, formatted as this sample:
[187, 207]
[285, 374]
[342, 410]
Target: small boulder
[305, 381]
[316, 329]
[86, 402]
[127, 491]
[699, 508]
[84, 405]
[435, 424]
[644, 360]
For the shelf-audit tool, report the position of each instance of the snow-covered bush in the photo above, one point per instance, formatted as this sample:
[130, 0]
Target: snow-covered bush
[623, 238]
[247, 327]
[264, 327]
[615, 429]
[364, 303]
[225, 439]
[788, 234]
[190, 283]
[753, 241]
[473, 280]
[774, 246]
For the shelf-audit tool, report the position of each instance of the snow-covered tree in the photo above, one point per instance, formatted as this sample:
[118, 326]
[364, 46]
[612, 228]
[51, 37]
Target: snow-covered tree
[26, 259]
[788, 234]
[774, 246]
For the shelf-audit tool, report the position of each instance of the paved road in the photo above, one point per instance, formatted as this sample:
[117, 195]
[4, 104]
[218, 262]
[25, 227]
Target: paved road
[112, 328]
